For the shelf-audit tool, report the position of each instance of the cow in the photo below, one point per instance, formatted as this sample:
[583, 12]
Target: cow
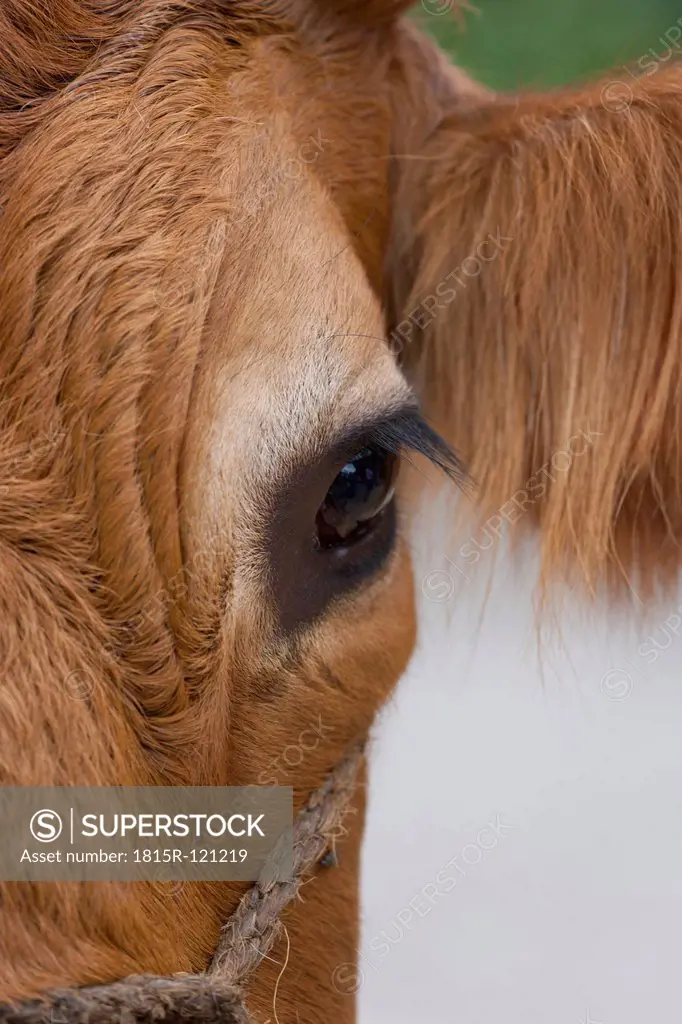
[256, 258]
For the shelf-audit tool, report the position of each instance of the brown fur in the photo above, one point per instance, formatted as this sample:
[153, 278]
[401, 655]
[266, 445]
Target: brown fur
[575, 326]
[163, 353]
[123, 249]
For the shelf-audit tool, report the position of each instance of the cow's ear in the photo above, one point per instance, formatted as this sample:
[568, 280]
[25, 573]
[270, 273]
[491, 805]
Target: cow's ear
[536, 296]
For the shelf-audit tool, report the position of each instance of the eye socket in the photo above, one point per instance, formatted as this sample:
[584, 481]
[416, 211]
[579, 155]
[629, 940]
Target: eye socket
[355, 502]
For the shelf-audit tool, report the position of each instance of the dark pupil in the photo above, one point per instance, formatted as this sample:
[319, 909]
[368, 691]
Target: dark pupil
[360, 492]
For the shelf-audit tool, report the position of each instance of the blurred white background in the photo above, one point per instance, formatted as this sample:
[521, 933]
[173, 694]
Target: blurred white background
[574, 913]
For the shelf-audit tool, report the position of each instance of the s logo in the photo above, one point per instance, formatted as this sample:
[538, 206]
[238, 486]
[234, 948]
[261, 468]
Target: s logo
[46, 826]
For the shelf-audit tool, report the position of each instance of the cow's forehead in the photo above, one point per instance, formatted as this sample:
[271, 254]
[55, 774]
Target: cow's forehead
[293, 352]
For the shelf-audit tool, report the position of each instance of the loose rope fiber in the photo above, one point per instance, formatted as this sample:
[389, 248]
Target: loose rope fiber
[217, 996]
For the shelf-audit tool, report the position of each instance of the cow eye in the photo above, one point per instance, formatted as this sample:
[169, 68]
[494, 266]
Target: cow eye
[357, 499]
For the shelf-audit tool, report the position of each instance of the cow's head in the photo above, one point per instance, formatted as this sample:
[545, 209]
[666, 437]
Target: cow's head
[225, 228]
[205, 576]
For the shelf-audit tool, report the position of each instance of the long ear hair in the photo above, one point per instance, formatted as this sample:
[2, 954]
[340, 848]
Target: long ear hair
[537, 293]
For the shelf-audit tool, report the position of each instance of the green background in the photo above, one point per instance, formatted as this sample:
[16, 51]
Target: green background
[511, 43]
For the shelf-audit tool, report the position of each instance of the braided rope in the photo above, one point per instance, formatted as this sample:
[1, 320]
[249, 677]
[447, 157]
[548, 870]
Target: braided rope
[215, 997]
[254, 927]
[143, 999]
